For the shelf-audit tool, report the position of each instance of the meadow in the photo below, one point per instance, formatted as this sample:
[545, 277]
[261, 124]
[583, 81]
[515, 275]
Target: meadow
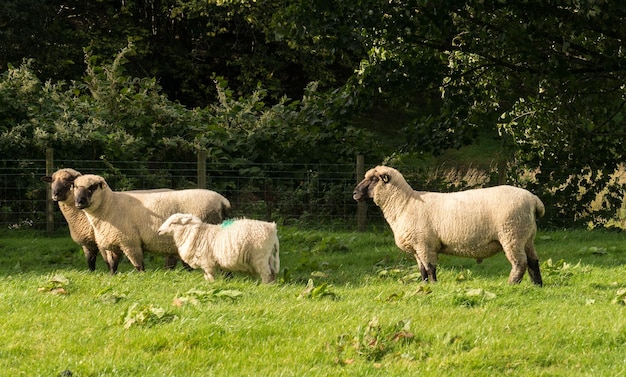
[346, 304]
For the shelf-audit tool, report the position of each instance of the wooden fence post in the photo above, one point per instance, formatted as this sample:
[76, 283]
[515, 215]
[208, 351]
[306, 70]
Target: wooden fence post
[501, 166]
[361, 207]
[202, 169]
[49, 202]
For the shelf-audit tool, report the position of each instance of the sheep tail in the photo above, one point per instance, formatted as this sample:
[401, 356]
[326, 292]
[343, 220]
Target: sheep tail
[540, 209]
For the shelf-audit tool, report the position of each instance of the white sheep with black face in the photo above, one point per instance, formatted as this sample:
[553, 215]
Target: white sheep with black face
[475, 223]
[81, 231]
[241, 245]
[126, 223]
[61, 187]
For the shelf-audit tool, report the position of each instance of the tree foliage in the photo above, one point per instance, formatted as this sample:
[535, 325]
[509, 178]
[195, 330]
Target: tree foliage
[113, 116]
[233, 77]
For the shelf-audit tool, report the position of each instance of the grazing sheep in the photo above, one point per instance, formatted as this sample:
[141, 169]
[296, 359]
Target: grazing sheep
[127, 222]
[242, 245]
[475, 223]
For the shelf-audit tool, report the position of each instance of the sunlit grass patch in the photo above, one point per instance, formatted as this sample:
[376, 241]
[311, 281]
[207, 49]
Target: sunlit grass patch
[345, 304]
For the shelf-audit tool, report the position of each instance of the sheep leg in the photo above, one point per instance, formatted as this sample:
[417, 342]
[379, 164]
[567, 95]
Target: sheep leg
[209, 275]
[91, 252]
[113, 260]
[228, 275]
[431, 270]
[269, 269]
[533, 263]
[517, 273]
[267, 275]
[170, 261]
[209, 270]
[134, 255]
[534, 273]
[428, 271]
[423, 271]
[519, 263]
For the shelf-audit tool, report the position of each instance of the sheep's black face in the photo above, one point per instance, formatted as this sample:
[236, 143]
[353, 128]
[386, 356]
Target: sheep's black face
[61, 190]
[83, 195]
[364, 190]
[60, 187]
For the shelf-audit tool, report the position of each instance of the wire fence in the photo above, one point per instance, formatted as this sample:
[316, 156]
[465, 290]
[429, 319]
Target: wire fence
[319, 194]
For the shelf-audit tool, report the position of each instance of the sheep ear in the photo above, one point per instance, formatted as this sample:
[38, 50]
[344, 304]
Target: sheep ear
[46, 179]
[385, 178]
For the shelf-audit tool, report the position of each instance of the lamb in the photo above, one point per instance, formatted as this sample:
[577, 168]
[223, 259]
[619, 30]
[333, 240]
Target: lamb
[242, 245]
[126, 223]
[476, 223]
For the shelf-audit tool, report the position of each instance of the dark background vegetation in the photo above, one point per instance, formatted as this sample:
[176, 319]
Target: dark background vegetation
[538, 86]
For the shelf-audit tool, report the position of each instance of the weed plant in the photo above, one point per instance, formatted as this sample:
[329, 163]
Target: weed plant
[346, 304]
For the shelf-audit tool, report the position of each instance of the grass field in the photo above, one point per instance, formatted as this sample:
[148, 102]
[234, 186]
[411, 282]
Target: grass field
[347, 304]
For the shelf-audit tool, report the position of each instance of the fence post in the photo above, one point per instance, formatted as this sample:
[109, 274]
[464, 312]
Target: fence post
[501, 166]
[202, 169]
[361, 207]
[49, 202]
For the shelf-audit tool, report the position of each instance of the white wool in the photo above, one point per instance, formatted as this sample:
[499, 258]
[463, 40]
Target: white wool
[81, 231]
[127, 222]
[474, 223]
[242, 245]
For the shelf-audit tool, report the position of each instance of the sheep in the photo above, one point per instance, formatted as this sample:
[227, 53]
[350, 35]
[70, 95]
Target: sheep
[81, 231]
[126, 223]
[241, 245]
[476, 223]
[61, 185]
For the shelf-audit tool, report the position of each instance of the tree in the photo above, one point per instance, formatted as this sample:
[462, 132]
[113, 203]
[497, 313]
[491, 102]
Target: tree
[547, 75]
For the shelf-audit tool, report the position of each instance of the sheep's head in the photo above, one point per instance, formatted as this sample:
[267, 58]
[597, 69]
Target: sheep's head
[366, 189]
[87, 189]
[177, 219]
[61, 182]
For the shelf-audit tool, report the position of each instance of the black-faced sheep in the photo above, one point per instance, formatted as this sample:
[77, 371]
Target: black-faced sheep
[127, 222]
[81, 231]
[475, 223]
[242, 245]
[61, 186]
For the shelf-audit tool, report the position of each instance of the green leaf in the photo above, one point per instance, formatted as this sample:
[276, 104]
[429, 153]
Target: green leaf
[199, 296]
[620, 297]
[317, 292]
[146, 316]
[56, 284]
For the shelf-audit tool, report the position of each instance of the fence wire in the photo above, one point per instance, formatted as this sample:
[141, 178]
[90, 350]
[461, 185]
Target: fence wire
[315, 194]
[319, 194]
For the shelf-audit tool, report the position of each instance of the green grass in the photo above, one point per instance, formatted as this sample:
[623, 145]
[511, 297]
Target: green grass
[365, 314]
